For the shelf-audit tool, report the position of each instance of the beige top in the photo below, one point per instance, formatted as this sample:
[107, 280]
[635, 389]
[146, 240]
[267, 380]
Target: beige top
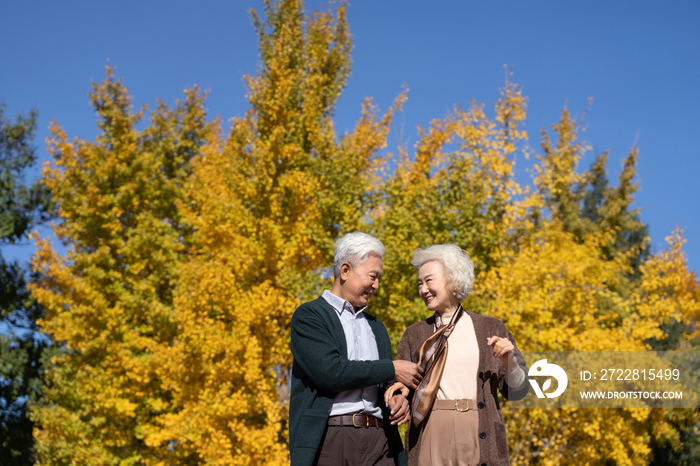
[462, 365]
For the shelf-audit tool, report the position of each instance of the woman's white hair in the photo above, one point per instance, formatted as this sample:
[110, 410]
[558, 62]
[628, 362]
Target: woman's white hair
[355, 249]
[458, 267]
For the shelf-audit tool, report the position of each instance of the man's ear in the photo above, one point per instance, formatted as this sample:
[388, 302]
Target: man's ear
[344, 270]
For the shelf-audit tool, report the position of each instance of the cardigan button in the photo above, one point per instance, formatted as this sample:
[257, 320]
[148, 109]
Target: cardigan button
[481, 375]
[483, 464]
[481, 405]
[482, 435]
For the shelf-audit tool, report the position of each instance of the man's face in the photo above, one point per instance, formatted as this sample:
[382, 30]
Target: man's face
[358, 283]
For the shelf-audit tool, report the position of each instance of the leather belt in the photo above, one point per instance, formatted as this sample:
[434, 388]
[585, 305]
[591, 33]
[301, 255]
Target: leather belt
[356, 420]
[460, 405]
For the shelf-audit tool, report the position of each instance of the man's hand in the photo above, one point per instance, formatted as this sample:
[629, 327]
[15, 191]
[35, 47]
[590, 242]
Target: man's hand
[393, 388]
[400, 410]
[407, 373]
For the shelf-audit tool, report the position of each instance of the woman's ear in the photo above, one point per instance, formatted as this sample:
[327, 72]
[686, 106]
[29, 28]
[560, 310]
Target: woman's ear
[452, 289]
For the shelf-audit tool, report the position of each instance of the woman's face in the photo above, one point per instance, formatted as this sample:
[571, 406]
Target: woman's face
[432, 288]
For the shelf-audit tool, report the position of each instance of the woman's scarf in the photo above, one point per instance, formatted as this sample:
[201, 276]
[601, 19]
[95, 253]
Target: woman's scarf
[432, 357]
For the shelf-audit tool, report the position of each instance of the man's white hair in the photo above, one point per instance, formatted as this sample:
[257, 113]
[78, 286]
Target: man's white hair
[456, 264]
[355, 249]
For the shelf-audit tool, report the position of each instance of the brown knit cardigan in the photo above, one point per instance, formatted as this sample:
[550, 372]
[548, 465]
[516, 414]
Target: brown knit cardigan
[491, 376]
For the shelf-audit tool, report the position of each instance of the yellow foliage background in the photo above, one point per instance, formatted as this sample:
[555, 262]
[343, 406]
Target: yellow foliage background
[191, 244]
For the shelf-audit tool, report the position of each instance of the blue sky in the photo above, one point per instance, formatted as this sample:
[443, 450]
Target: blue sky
[638, 60]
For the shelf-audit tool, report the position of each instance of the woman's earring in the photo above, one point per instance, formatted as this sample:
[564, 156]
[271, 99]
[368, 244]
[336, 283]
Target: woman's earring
[454, 293]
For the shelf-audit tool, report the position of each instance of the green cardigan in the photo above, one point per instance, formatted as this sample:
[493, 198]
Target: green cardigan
[321, 369]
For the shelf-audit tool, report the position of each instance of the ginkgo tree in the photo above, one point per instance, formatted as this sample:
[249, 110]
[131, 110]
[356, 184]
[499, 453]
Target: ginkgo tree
[109, 300]
[266, 201]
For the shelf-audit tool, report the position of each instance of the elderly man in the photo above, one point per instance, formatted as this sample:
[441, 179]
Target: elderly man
[342, 363]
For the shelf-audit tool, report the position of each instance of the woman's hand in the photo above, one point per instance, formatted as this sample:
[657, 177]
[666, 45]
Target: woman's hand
[502, 348]
[396, 387]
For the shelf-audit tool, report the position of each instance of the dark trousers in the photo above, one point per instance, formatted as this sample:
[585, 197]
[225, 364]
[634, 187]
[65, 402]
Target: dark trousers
[354, 446]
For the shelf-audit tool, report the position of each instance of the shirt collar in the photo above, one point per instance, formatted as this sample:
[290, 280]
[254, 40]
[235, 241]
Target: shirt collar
[339, 304]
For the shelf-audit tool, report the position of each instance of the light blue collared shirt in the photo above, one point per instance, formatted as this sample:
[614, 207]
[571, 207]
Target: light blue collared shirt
[362, 346]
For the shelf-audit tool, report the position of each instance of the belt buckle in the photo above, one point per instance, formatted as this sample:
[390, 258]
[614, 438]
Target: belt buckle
[461, 410]
[356, 425]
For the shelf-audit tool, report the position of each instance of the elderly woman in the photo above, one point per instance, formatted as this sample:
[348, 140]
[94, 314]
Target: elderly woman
[466, 357]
